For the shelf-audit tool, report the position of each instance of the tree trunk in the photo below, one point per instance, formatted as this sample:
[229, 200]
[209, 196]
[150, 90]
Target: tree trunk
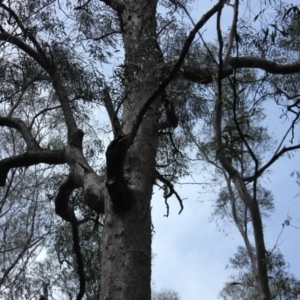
[126, 253]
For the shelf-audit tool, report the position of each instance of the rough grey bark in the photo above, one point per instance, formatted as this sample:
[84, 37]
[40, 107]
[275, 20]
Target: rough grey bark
[127, 232]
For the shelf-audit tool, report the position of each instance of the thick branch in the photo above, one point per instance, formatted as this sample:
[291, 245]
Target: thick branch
[116, 5]
[5, 36]
[66, 212]
[205, 76]
[115, 123]
[22, 128]
[30, 158]
[62, 205]
[263, 64]
[84, 176]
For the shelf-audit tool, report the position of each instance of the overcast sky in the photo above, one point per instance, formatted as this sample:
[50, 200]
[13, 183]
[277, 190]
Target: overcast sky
[191, 252]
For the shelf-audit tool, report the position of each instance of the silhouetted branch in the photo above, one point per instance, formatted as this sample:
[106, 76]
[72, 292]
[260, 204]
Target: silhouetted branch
[116, 5]
[271, 161]
[30, 158]
[168, 191]
[22, 128]
[115, 123]
[77, 251]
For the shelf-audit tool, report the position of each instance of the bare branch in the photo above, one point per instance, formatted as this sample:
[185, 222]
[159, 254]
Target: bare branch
[30, 158]
[205, 76]
[115, 123]
[168, 191]
[271, 161]
[263, 64]
[116, 5]
[23, 129]
[62, 205]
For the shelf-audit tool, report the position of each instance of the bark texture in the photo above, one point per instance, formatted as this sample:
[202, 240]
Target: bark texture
[126, 257]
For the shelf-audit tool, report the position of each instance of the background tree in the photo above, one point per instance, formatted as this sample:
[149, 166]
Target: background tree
[244, 286]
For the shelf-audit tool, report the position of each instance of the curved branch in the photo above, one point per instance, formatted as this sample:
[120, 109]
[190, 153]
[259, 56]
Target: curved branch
[116, 5]
[20, 125]
[30, 158]
[66, 212]
[78, 254]
[5, 36]
[62, 206]
[168, 191]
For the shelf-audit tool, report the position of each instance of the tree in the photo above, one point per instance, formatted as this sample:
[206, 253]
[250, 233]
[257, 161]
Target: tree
[244, 286]
[52, 77]
[165, 295]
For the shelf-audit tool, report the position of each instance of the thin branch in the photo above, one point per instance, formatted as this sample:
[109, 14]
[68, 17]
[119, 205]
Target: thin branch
[26, 32]
[41, 112]
[5, 36]
[168, 191]
[271, 161]
[107, 34]
[48, 66]
[191, 19]
[287, 132]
